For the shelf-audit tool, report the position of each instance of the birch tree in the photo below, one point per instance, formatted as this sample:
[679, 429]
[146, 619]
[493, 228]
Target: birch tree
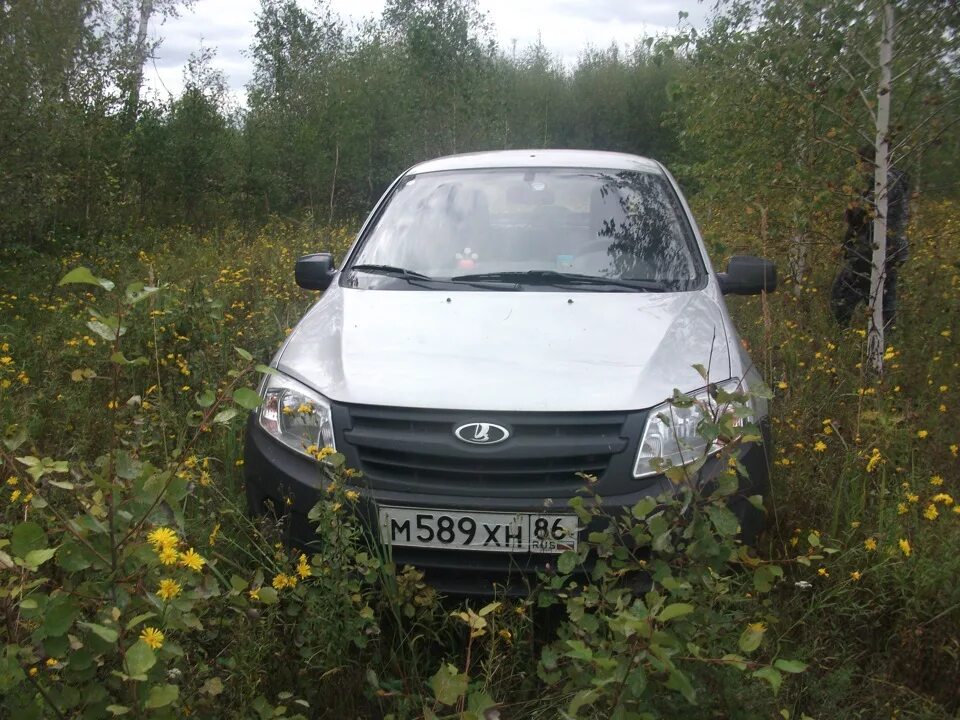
[875, 340]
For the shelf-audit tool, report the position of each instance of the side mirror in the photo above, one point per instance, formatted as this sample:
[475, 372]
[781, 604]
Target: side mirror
[315, 271]
[748, 275]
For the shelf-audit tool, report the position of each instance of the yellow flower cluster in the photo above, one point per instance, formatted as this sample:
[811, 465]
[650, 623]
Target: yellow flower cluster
[282, 580]
[165, 541]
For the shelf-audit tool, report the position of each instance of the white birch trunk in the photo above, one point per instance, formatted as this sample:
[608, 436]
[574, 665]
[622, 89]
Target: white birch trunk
[875, 342]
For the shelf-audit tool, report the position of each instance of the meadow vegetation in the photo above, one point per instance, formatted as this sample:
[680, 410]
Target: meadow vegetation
[135, 583]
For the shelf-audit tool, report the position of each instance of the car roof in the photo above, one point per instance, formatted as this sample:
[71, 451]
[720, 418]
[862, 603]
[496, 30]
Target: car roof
[538, 158]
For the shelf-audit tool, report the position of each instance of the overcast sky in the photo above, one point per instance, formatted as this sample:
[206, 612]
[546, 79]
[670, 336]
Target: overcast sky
[566, 27]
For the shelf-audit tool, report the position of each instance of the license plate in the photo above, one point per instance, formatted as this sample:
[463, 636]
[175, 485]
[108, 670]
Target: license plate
[488, 531]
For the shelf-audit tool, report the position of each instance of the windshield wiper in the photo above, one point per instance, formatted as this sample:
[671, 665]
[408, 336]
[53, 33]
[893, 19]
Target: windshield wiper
[392, 271]
[560, 279]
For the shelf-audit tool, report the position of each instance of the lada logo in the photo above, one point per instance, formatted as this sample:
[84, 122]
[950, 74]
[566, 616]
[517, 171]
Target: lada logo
[480, 433]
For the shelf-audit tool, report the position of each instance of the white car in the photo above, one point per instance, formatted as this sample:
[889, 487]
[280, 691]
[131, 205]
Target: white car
[504, 322]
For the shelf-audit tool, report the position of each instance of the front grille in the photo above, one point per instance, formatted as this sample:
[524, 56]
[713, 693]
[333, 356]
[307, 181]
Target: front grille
[413, 450]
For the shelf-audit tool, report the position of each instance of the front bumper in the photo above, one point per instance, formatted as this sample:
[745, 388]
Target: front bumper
[292, 484]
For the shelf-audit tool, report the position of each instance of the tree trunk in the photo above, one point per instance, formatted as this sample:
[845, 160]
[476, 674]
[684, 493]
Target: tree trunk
[875, 343]
[138, 61]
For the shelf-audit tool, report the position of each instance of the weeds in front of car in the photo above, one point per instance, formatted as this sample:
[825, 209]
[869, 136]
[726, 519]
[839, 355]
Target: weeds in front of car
[133, 582]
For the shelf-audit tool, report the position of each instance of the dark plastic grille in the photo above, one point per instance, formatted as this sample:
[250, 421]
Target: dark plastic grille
[416, 450]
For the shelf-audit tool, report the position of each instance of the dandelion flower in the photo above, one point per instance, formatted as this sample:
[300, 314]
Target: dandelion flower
[820, 446]
[856, 575]
[870, 544]
[169, 589]
[152, 637]
[303, 567]
[51, 662]
[162, 537]
[254, 593]
[936, 481]
[905, 547]
[282, 580]
[352, 495]
[942, 498]
[822, 572]
[168, 555]
[931, 512]
[922, 434]
[191, 559]
[757, 627]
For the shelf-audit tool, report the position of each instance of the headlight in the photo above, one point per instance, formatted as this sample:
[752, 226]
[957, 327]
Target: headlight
[672, 433]
[295, 415]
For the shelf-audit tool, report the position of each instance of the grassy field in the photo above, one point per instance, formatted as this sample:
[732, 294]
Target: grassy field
[105, 453]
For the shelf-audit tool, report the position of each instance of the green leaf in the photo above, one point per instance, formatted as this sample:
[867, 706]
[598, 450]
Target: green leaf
[137, 291]
[644, 507]
[567, 562]
[133, 622]
[680, 682]
[161, 696]
[751, 638]
[59, 615]
[268, 595]
[105, 331]
[448, 685]
[105, 633]
[580, 700]
[790, 666]
[723, 520]
[246, 398]
[244, 354]
[36, 558]
[26, 537]
[771, 675]
[206, 398]
[225, 416]
[83, 275]
[138, 660]
[488, 608]
[266, 370]
[119, 358]
[675, 610]
[116, 710]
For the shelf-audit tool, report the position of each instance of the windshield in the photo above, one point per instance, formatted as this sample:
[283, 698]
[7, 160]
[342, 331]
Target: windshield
[532, 223]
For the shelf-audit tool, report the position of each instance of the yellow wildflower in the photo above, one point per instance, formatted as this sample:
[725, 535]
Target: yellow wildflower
[282, 580]
[213, 534]
[875, 459]
[169, 589]
[936, 481]
[14, 495]
[905, 547]
[931, 512]
[820, 446]
[152, 637]
[870, 544]
[912, 497]
[33, 672]
[856, 575]
[303, 567]
[822, 572]
[51, 662]
[942, 498]
[168, 555]
[902, 509]
[191, 559]
[254, 593]
[757, 627]
[162, 537]
[922, 434]
[352, 495]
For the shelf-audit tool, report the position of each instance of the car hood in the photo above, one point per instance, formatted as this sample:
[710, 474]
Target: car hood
[506, 351]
